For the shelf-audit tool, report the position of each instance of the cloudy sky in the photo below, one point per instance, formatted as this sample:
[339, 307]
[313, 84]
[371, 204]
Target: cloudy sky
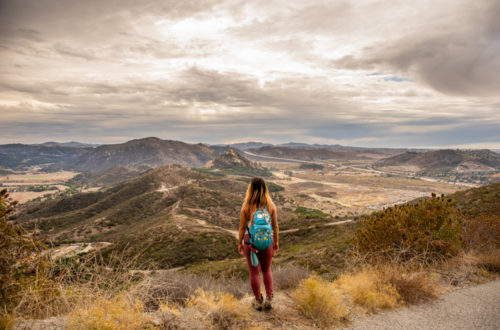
[362, 73]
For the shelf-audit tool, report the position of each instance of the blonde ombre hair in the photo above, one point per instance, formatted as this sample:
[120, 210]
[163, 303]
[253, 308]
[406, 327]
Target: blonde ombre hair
[257, 193]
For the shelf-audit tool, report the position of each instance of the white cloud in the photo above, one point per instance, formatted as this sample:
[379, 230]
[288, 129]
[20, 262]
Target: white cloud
[214, 70]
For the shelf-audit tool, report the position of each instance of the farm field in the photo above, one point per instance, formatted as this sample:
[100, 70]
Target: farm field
[30, 185]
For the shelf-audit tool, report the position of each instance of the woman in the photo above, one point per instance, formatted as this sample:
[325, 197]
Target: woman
[257, 197]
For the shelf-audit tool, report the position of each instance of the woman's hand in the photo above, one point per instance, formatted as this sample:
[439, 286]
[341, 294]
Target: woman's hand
[240, 248]
[276, 247]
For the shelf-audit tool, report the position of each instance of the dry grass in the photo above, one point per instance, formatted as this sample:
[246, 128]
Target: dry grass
[321, 301]
[472, 267]
[6, 321]
[288, 276]
[489, 260]
[174, 288]
[221, 310]
[413, 287]
[117, 313]
[369, 290]
[68, 284]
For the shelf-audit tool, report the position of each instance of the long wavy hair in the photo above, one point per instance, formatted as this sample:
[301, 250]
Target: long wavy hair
[257, 193]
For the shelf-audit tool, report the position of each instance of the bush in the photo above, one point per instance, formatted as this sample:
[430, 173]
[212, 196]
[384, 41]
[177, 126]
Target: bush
[221, 309]
[25, 286]
[305, 212]
[319, 300]
[175, 288]
[427, 231]
[413, 287]
[482, 233]
[115, 313]
[288, 276]
[309, 166]
[489, 260]
[369, 290]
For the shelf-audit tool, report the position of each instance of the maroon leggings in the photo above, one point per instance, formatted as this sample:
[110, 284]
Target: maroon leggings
[265, 257]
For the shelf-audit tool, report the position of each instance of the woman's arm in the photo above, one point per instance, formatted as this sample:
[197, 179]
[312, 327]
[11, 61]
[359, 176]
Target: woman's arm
[274, 224]
[243, 225]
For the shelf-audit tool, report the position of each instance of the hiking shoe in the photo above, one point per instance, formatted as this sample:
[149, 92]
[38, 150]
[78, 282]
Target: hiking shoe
[258, 304]
[268, 303]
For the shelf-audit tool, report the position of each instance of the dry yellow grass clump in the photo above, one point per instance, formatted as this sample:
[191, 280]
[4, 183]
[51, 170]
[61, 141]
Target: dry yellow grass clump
[413, 287]
[369, 290]
[320, 300]
[221, 310]
[115, 313]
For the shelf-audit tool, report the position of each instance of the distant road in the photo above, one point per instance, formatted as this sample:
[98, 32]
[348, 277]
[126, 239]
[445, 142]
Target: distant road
[475, 307]
[282, 159]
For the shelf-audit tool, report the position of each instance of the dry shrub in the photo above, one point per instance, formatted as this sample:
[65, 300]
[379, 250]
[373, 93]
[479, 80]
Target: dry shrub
[289, 276]
[429, 230]
[175, 287]
[413, 287]
[320, 300]
[119, 312]
[221, 310]
[7, 321]
[25, 283]
[472, 267]
[482, 233]
[464, 269]
[489, 260]
[369, 289]
[188, 318]
[476, 263]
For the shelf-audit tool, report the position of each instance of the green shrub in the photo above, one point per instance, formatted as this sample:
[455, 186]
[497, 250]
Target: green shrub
[427, 231]
[305, 212]
[309, 166]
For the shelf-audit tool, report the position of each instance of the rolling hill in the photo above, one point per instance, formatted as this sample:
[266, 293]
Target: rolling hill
[321, 154]
[106, 178]
[161, 213]
[458, 163]
[22, 156]
[231, 162]
[142, 154]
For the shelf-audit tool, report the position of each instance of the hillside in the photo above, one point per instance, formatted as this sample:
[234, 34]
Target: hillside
[161, 212]
[321, 154]
[456, 163]
[484, 200]
[208, 291]
[71, 144]
[232, 162]
[21, 156]
[143, 153]
[106, 178]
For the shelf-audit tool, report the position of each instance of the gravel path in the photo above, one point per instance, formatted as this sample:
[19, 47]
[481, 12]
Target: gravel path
[475, 307]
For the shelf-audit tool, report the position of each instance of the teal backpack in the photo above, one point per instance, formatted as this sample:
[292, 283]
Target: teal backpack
[261, 233]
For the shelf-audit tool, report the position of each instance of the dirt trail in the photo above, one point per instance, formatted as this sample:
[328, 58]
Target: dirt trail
[475, 307]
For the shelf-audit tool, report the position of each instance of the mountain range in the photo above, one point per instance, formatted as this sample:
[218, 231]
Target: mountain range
[441, 162]
[143, 154]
